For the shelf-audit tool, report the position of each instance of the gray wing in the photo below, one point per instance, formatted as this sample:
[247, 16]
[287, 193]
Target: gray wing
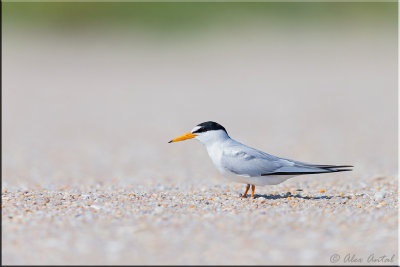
[246, 161]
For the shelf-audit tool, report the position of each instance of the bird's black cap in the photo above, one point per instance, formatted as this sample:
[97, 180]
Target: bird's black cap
[209, 126]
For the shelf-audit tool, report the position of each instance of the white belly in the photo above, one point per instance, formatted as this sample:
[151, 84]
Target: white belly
[259, 180]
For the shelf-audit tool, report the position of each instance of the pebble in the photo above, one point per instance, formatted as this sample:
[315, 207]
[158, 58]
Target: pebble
[379, 195]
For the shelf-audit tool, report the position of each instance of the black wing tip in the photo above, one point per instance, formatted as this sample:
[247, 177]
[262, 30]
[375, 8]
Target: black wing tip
[332, 166]
[344, 166]
[338, 169]
[300, 173]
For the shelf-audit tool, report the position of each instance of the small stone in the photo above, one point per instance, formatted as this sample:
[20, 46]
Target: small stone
[379, 195]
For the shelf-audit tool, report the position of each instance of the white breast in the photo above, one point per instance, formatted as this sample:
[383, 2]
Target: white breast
[215, 153]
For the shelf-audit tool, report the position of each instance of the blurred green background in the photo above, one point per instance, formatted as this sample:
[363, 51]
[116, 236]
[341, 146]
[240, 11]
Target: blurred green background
[188, 18]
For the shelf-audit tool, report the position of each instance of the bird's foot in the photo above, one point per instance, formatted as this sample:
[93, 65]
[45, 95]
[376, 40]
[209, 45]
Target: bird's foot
[245, 193]
[253, 187]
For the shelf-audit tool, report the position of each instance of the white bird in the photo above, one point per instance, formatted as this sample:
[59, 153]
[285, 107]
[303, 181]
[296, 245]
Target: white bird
[244, 164]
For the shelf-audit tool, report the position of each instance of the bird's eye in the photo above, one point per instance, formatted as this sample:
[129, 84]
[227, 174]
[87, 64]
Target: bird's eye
[200, 130]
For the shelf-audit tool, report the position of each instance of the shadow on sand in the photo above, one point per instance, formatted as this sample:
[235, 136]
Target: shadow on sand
[288, 194]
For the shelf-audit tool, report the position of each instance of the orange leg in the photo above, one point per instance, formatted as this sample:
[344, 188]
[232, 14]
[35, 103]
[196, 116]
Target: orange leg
[253, 187]
[247, 189]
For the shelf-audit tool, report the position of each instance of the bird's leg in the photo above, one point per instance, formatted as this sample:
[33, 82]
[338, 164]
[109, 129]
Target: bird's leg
[247, 189]
[253, 187]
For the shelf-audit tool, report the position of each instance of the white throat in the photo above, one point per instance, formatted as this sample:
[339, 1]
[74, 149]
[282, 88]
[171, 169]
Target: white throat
[214, 142]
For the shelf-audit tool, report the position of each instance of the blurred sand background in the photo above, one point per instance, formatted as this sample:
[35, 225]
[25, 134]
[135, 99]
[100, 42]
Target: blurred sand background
[92, 93]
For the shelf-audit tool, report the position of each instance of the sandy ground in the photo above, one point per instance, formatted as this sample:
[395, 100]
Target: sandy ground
[185, 224]
[89, 178]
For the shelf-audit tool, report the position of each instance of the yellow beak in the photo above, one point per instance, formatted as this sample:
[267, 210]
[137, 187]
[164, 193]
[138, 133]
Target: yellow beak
[183, 137]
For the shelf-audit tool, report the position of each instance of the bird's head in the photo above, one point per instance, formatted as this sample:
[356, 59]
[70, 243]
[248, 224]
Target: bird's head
[206, 132]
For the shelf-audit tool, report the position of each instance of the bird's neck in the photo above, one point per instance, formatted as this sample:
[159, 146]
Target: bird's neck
[214, 140]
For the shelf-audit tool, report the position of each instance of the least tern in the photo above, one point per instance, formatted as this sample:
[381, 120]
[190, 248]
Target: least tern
[247, 165]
